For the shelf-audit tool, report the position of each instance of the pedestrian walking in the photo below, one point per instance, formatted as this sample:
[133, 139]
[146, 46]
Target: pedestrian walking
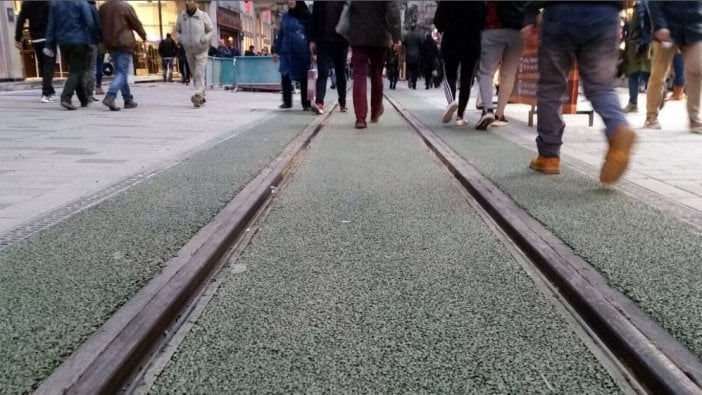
[167, 50]
[91, 58]
[183, 65]
[500, 49]
[73, 27]
[429, 59]
[412, 45]
[587, 33]
[392, 67]
[329, 48]
[99, 67]
[119, 21]
[460, 24]
[637, 53]
[375, 26]
[292, 50]
[678, 66]
[195, 32]
[37, 13]
[677, 26]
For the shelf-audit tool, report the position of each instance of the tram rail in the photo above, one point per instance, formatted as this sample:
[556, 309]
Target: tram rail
[650, 358]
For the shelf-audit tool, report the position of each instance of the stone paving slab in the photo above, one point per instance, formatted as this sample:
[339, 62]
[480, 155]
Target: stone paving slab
[50, 157]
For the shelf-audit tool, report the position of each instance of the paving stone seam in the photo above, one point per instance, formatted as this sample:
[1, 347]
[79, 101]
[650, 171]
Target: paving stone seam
[636, 344]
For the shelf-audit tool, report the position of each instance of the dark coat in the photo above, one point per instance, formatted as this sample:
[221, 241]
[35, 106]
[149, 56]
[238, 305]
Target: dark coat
[412, 44]
[167, 48]
[511, 13]
[37, 12]
[461, 23]
[72, 22]
[293, 48]
[374, 23]
[325, 16]
[682, 18]
[430, 54]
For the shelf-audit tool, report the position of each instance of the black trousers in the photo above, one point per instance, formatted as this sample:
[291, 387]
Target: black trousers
[47, 66]
[288, 89]
[328, 55]
[75, 55]
[466, 60]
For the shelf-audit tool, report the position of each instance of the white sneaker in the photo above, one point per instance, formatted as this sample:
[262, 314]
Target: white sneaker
[52, 98]
[448, 113]
[45, 99]
[460, 122]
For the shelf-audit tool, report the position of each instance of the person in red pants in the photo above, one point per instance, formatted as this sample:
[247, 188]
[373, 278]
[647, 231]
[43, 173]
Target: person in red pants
[375, 25]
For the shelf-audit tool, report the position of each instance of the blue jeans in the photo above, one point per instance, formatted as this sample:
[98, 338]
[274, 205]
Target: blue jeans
[636, 80]
[121, 61]
[679, 69]
[588, 34]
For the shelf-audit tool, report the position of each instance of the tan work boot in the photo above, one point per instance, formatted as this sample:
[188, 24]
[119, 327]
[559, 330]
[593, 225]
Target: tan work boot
[546, 164]
[617, 157]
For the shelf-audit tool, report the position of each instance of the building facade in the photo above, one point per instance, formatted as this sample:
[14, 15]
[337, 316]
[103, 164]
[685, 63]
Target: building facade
[248, 22]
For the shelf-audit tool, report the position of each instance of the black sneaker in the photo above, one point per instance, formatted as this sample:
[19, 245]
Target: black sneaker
[500, 121]
[485, 120]
[67, 105]
[130, 104]
[285, 106]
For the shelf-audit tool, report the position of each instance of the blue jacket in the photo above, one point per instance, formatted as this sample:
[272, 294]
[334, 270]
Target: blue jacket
[682, 18]
[293, 48]
[71, 22]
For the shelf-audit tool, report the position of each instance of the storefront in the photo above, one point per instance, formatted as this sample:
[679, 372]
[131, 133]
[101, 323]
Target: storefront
[157, 17]
[229, 26]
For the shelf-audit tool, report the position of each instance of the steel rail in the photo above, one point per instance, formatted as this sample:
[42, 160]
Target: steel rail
[104, 364]
[659, 363]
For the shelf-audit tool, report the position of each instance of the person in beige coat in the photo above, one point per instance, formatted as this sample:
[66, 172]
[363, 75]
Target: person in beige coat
[195, 32]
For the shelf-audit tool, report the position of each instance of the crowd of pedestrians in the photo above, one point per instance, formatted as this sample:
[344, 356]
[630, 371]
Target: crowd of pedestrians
[478, 40]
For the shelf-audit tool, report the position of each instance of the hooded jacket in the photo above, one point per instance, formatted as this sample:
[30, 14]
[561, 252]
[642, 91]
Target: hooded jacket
[37, 12]
[195, 32]
[119, 22]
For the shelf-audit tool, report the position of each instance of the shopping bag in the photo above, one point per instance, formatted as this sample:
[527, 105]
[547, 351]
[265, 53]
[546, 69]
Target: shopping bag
[311, 83]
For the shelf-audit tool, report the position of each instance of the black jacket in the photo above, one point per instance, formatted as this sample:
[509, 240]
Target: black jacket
[532, 9]
[682, 18]
[325, 16]
[37, 12]
[511, 13]
[167, 48]
[461, 23]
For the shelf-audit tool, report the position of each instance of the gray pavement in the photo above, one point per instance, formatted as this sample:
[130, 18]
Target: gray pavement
[373, 274]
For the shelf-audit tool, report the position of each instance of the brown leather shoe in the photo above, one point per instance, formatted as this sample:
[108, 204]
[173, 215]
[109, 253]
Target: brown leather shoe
[546, 164]
[617, 158]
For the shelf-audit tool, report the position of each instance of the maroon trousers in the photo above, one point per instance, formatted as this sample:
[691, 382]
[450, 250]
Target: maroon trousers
[367, 62]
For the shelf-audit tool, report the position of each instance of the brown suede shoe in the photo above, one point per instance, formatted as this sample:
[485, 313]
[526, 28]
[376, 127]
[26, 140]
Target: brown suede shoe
[546, 164]
[617, 158]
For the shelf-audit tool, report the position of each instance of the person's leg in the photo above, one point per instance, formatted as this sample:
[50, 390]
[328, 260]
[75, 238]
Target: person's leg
[286, 84]
[89, 77]
[199, 64]
[451, 64]
[46, 69]
[164, 66]
[555, 63]
[75, 56]
[323, 65]
[492, 47]
[304, 100]
[377, 56]
[633, 81]
[508, 69]
[120, 61]
[338, 53]
[99, 63]
[469, 61]
[679, 69]
[692, 55]
[171, 62]
[660, 64]
[359, 63]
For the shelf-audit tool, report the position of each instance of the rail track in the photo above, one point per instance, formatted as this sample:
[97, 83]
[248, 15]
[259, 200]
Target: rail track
[644, 355]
